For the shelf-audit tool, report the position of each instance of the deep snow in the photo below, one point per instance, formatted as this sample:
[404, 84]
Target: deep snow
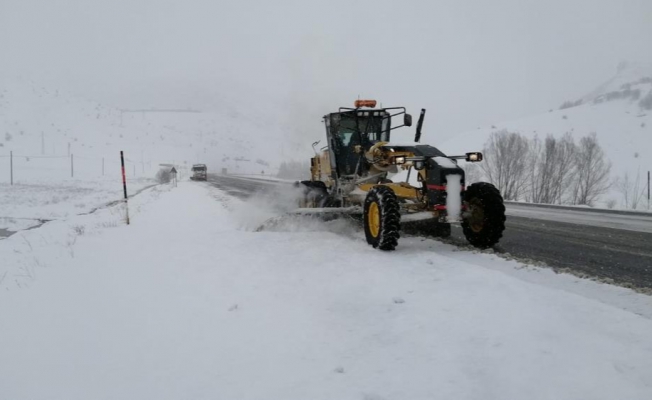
[26, 205]
[188, 303]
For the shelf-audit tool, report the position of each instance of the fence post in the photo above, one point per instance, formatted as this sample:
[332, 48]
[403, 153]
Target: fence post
[11, 166]
[124, 183]
[648, 190]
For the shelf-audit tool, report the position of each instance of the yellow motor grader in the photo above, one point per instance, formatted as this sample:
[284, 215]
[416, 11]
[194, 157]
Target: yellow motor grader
[361, 172]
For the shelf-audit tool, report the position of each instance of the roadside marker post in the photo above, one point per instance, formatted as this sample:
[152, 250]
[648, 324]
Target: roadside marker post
[124, 183]
[173, 172]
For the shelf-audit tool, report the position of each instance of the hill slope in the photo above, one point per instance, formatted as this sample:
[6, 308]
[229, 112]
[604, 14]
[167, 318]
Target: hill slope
[618, 111]
[42, 126]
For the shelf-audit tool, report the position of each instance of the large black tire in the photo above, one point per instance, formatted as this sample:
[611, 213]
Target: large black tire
[382, 218]
[484, 222]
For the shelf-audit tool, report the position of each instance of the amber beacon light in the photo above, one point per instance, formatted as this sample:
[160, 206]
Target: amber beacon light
[365, 103]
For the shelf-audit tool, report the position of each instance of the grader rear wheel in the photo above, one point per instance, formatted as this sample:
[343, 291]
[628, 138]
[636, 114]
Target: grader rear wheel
[382, 218]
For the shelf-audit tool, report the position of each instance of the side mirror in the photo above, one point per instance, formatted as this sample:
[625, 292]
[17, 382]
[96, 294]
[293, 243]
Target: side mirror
[419, 165]
[407, 120]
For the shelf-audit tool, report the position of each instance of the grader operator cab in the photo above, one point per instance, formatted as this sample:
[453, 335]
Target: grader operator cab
[360, 171]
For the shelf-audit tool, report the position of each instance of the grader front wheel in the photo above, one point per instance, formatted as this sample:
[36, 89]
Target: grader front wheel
[382, 218]
[484, 223]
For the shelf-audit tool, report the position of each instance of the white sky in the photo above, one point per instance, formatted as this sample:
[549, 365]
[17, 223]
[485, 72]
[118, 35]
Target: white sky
[469, 63]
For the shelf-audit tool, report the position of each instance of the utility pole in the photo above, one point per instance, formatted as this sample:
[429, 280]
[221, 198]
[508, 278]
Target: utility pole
[72, 166]
[11, 167]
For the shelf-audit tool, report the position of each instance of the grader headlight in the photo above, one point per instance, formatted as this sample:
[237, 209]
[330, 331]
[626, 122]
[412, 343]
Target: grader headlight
[474, 157]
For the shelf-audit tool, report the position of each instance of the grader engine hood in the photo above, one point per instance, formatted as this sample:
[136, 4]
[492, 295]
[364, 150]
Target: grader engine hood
[419, 150]
[382, 155]
[438, 171]
[438, 167]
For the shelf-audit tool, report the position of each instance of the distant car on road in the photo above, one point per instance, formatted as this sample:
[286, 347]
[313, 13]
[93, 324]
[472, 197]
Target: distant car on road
[199, 172]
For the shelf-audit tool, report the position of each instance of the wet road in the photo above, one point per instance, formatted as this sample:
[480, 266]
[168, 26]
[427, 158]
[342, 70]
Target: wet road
[613, 246]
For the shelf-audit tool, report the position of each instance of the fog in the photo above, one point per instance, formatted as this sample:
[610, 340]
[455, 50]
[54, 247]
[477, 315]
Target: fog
[469, 63]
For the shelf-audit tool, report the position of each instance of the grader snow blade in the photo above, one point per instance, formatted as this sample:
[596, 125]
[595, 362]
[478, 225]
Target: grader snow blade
[303, 216]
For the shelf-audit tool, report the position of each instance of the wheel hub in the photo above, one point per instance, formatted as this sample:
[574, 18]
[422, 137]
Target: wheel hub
[476, 218]
[374, 219]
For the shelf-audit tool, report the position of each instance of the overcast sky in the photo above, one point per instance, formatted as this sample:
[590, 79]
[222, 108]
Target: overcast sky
[469, 63]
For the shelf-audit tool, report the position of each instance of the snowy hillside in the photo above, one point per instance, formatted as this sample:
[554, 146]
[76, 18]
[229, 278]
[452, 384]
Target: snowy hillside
[42, 126]
[618, 111]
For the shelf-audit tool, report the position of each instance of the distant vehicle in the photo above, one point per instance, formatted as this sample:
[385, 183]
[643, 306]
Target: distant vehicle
[199, 172]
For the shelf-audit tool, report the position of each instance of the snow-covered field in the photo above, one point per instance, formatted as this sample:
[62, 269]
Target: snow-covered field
[26, 205]
[188, 302]
[43, 126]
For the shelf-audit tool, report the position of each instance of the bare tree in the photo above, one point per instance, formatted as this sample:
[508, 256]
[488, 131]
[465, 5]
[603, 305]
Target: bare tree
[565, 166]
[592, 177]
[631, 190]
[551, 164]
[472, 173]
[505, 163]
[538, 171]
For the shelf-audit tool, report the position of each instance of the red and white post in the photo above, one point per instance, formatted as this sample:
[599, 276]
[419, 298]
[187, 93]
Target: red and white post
[124, 183]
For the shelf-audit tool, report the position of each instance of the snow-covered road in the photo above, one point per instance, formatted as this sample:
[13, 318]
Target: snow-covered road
[189, 303]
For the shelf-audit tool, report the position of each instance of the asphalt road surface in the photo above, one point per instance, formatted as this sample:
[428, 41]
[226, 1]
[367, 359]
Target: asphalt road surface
[618, 247]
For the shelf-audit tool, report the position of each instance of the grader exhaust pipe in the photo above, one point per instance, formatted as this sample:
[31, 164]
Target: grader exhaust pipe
[417, 136]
